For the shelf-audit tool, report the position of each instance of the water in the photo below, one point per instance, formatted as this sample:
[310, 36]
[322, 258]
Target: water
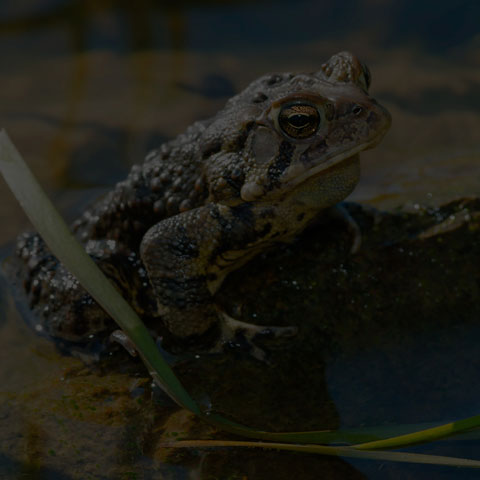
[87, 88]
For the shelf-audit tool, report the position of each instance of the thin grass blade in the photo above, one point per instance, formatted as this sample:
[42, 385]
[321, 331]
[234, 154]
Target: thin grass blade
[423, 436]
[57, 236]
[348, 452]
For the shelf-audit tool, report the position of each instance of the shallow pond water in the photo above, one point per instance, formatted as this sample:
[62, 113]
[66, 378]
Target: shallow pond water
[87, 88]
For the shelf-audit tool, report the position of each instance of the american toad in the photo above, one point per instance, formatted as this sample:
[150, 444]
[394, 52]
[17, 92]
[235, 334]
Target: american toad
[208, 201]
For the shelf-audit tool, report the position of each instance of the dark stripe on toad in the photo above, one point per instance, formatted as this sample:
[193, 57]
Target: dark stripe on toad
[281, 163]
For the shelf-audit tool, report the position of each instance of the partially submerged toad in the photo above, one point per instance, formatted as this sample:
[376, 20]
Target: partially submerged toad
[211, 199]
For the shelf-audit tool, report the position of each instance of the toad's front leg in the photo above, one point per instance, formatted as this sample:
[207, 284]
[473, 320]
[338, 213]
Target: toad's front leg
[187, 257]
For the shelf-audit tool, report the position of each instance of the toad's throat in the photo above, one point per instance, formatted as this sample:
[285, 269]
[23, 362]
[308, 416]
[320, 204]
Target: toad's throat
[299, 173]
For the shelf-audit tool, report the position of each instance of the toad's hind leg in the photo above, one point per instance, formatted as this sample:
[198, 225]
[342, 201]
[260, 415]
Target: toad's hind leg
[187, 256]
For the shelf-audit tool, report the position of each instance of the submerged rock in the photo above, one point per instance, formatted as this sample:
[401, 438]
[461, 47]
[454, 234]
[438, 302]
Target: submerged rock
[385, 335]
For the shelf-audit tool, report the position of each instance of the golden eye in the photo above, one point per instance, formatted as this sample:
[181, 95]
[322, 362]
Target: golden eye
[299, 120]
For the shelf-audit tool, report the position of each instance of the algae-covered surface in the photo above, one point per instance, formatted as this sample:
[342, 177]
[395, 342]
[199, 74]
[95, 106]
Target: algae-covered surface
[387, 336]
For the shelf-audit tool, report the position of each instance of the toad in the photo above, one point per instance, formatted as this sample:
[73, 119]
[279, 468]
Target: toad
[205, 203]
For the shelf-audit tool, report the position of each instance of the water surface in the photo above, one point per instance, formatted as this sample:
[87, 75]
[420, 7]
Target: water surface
[87, 88]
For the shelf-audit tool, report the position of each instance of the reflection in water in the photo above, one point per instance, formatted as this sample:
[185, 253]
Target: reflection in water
[58, 151]
[34, 449]
[76, 18]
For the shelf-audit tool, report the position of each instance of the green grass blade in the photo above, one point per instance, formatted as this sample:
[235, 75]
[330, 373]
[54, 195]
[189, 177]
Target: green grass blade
[372, 438]
[318, 436]
[334, 451]
[68, 250]
[423, 436]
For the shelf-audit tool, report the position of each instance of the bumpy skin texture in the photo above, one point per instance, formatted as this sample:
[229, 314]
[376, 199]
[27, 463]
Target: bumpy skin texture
[208, 201]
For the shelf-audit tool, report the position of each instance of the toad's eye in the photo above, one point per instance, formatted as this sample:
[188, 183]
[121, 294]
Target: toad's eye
[299, 120]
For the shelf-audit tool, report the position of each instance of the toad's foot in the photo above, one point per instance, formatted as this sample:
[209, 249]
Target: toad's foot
[236, 333]
[343, 214]
[120, 337]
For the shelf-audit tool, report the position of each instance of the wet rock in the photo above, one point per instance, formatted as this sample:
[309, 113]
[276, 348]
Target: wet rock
[385, 335]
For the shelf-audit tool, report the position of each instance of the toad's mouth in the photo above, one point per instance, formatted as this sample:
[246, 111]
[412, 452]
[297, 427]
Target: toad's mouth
[299, 173]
